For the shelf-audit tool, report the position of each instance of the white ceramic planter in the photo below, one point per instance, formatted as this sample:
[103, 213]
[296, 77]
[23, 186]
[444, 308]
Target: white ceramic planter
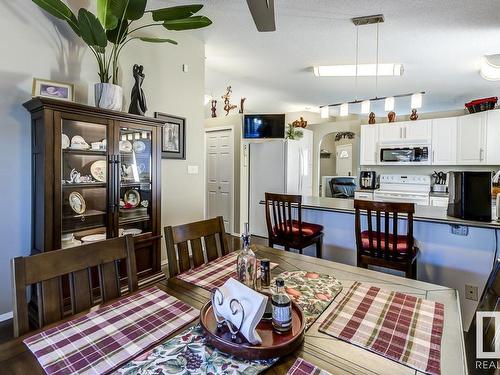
[108, 96]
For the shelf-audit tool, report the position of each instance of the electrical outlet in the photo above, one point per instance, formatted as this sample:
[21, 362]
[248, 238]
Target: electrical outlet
[471, 292]
[460, 230]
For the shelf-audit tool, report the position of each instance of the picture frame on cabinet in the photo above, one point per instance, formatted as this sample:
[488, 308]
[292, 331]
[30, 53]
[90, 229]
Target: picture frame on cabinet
[53, 89]
[173, 136]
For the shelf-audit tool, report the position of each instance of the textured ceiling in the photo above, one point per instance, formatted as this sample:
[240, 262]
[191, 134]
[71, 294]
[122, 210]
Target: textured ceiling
[439, 42]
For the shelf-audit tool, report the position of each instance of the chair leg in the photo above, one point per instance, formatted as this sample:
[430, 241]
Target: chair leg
[287, 248]
[319, 248]
[414, 269]
[270, 243]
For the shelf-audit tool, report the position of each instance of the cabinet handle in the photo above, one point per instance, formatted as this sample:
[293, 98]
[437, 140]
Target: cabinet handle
[117, 181]
[481, 154]
[433, 156]
[111, 181]
[401, 133]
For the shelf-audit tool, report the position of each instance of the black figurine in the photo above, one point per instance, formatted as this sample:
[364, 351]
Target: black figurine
[138, 99]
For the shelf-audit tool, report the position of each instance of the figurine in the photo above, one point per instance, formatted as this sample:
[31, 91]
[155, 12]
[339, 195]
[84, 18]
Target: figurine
[227, 105]
[214, 108]
[371, 118]
[138, 99]
[413, 115]
[391, 116]
[301, 123]
[242, 103]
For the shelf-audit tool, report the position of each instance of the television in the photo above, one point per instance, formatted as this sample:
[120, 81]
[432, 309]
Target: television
[264, 126]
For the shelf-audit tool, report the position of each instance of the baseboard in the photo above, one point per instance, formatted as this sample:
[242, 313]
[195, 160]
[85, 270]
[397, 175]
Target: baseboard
[6, 316]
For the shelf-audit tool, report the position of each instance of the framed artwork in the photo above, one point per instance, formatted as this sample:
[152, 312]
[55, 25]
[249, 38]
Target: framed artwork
[173, 137]
[53, 89]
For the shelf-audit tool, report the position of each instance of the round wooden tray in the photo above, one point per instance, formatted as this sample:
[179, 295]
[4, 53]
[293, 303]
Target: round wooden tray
[273, 344]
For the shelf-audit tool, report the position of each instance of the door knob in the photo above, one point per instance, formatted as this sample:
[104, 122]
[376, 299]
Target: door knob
[219, 188]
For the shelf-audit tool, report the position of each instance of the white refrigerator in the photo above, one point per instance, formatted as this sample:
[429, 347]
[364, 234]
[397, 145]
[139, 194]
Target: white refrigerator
[278, 166]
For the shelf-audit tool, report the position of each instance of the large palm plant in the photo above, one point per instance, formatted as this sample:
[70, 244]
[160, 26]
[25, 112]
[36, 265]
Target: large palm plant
[114, 27]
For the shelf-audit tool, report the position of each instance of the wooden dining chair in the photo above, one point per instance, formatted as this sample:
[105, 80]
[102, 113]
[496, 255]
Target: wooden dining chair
[285, 226]
[178, 239]
[46, 270]
[378, 246]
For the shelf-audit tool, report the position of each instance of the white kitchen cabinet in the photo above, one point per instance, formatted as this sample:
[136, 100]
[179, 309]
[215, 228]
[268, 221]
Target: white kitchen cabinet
[390, 132]
[444, 141]
[471, 139]
[439, 201]
[492, 137]
[406, 132]
[363, 195]
[368, 144]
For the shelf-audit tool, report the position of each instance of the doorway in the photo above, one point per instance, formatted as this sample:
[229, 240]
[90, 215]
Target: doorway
[219, 176]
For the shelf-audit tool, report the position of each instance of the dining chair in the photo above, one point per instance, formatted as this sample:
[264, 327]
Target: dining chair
[178, 239]
[378, 246]
[45, 271]
[285, 226]
[489, 302]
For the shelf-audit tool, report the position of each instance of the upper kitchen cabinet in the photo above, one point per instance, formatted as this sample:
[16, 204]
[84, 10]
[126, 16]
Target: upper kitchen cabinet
[492, 137]
[471, 139]
[391, 133]
[406, 132]
[368, 144]
[444, 141]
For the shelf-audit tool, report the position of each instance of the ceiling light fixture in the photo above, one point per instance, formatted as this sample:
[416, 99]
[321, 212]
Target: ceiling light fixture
[365, 107]
[416, 100]
[324, 112]
[344, 109]
[364, 70]
[389, 104]
[490, 67]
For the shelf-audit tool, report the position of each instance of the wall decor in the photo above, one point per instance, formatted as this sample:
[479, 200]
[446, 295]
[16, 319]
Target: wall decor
[371, 118]
[301, 123]
[77, 202]
[117, 23]
[138, 104]
[53, 89]
[242, 105]
[173, 139]
[227, 100]
[344, 135]
[132, 198]
[214, 108]
[391, 116]
[414, 115]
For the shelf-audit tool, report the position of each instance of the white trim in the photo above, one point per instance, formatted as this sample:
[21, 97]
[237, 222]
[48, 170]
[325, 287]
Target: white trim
[6, 316]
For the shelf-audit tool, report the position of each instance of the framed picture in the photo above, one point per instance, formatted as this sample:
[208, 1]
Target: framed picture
[173, 138]
[53, 89]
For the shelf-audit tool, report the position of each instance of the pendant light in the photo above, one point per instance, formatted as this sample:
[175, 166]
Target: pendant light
[344, 109]
[324, 111]
[365, 107]
[416, 100]
[389, 104]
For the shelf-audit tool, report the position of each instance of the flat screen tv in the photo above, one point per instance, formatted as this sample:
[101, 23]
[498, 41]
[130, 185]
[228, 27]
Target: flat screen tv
[264, 126]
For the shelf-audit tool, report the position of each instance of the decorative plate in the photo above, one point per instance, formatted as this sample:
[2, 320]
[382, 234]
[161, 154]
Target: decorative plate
[98, 170]
[65, 141]
[77, 203]
[78, 143]
[94, 237]
[132, 197]
[132, 231]
[139, 147]
[125, 146]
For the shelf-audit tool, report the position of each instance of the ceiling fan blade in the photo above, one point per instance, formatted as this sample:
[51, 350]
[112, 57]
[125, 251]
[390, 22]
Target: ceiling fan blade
[263, 14]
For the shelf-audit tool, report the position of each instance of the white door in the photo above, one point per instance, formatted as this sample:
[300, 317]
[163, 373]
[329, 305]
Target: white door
[493, 137]
[417, 131]
[390, 133]
[368, 145]
[471, 139]
[219, 149]
[343, 155]
[444, 141]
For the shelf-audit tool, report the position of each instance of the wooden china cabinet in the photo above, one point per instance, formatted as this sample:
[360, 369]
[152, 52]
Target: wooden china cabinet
[96, 175]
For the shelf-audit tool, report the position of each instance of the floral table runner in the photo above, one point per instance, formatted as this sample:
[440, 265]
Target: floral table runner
[312, 291]
[397, 326]
[104, 339]
[302, 367]
[187, 353]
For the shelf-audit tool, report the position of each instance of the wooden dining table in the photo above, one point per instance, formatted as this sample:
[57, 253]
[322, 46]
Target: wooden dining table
[324, 351]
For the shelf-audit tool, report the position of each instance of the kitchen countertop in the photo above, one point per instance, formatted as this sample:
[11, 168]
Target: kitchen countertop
[422, 213]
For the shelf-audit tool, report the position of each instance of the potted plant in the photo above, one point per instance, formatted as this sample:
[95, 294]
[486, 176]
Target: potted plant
[114, 27]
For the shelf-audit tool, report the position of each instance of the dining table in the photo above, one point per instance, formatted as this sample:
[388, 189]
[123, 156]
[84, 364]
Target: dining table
[322, 350]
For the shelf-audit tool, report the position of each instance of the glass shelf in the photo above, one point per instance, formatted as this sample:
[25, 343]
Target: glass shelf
[84, 152]
[84, 185]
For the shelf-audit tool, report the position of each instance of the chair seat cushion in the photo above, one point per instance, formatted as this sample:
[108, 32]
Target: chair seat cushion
[308, 229]
[401, 246]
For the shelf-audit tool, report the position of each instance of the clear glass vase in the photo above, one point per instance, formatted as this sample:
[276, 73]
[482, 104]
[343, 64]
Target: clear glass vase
[246, 263]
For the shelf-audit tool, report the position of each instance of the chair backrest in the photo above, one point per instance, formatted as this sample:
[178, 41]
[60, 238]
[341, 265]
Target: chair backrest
[382, 234]
[279, 214]
[342, 187]
[46, 270]
[190, 235]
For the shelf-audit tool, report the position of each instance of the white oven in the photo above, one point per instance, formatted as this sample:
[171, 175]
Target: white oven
[404, 189]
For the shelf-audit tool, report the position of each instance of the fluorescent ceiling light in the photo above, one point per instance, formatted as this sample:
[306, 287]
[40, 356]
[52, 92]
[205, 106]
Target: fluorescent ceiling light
[365, 106]
[324, 111]
[364, 70]
[389, 104]
[344, 109]
[416, 100]
[490, 68]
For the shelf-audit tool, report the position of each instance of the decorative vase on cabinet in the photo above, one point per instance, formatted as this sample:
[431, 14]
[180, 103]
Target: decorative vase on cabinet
[108, 96]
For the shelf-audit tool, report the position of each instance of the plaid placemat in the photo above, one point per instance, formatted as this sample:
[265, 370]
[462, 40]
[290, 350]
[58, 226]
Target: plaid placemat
[310, 290]
[215, 273]
[397, 326]
[187, 354]
[302, 367]
[100, 341]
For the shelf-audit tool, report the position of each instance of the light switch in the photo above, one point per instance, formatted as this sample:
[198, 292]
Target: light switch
[185, 68]
[193, 169]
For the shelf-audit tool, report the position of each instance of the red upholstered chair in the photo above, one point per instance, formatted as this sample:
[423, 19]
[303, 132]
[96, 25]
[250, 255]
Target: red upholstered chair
[285, 226]
[379, 246]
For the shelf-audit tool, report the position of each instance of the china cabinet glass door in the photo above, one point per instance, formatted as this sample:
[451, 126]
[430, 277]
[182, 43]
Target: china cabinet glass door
[85, 182]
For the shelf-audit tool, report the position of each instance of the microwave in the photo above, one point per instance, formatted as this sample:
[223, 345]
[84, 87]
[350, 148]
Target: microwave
[404, 155]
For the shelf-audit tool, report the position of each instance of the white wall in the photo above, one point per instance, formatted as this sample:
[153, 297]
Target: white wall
[35, 45]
